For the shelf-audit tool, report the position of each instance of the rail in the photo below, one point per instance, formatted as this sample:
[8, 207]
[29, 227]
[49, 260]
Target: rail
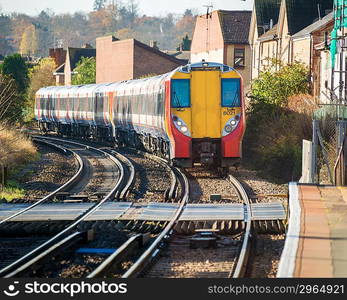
[12, 269]
[64, 187]
[152, 251]
[240, 268]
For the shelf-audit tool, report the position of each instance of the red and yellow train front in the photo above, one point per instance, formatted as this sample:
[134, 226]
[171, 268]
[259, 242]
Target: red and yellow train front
[205, 115]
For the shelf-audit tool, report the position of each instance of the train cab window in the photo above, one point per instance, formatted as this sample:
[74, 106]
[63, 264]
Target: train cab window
[231, 92]
[180, 93]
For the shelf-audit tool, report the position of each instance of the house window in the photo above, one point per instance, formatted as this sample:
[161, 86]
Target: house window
[239, 57]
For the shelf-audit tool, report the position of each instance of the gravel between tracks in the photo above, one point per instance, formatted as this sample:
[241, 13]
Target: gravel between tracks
[180, 261]
[204, 183]
[46, 174]
[267, 256]
[151, 179]
[74, 265]
[257, 186]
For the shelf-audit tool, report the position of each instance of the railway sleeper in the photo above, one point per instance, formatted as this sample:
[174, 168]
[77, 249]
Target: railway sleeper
[269, 227]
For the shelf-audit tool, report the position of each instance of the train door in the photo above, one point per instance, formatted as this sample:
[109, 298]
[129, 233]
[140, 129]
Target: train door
[206, 104]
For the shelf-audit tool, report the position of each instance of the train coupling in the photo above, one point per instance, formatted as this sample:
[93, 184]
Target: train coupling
[206, 159]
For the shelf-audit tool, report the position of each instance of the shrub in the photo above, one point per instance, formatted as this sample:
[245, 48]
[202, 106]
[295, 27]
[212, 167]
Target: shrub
[279, 117]
[275, 87]
[16, 149]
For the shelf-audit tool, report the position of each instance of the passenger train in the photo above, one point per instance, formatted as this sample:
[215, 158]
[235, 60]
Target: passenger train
[192, 115]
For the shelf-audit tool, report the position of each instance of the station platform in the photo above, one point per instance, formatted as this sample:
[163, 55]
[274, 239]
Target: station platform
[316, 240]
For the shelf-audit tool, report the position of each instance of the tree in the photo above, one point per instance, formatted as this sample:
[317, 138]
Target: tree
[7, 97]
[85, 71]
[126, 33]
[29, 42]
[99, 4]
[5, 33]
[15, 67]
[188, 13]
[40, 76]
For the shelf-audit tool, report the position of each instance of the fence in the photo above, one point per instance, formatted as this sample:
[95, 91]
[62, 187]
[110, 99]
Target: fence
[328, 147]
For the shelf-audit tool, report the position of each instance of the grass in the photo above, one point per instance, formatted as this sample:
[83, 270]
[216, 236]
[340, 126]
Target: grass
[16, 148]
[11, 191]
[16, 151]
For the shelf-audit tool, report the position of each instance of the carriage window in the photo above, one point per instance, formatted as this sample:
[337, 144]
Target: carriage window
[180, 93]
[231, 92]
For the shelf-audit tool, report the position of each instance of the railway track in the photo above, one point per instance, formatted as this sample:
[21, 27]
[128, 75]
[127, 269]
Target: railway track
[207, 253]
[171, 255]
[133, 245]
[119, 186]
[37, 265]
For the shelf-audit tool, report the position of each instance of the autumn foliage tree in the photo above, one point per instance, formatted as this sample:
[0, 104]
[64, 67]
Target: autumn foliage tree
[40, 76]
[29, 42]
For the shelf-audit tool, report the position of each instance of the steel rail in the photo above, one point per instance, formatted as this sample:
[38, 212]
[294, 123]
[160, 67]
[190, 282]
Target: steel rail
[163, 162]
[152, 251]
[64, 187]
[10, 269]
[131, 178]
[240, 269]
[116, 256]
[72, 238]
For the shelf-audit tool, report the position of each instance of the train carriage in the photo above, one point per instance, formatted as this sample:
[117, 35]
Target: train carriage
[194, 114]
[207, 116]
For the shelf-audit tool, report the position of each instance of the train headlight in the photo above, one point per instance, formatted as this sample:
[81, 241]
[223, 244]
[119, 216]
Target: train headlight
[231, 125]
[181, 125]
[228, 128]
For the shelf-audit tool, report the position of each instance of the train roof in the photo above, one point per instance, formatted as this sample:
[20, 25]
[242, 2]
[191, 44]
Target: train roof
[134, 84]
[205, 65]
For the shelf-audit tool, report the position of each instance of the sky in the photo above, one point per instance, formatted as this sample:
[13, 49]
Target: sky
[148, 7]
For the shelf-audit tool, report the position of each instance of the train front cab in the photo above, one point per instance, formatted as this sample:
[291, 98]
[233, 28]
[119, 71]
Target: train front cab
[207, 115]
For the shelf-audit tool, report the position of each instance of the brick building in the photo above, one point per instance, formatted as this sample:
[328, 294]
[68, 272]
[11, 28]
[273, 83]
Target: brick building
[222, 36]
[58, 54]
[130, 59]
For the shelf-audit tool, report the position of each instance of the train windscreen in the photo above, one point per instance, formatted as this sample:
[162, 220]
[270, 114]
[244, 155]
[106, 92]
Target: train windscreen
[231, 92]
[180, 93]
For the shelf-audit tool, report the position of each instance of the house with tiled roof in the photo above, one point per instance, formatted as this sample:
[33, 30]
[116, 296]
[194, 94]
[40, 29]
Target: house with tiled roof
[263, 24]
[311, 46]
[222, 36]
[275, 22]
